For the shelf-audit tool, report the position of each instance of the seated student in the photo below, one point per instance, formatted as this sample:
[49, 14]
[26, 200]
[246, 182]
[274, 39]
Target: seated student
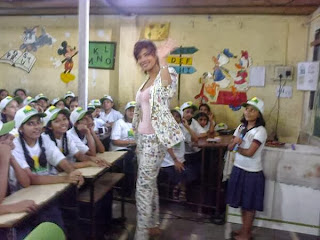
[211, 123]
[58, 102]
[203, 120]
[56, 123]
[67, 98]
[8, 108]
[8, 161]
[22, 94]
[193, 154]
[73, 104]
[108, 114]
[42, 101]
[99, 125]
[122, 139]
[33, 103]
[36, 153]
[173, 166]
[3, 93]
[81, 134]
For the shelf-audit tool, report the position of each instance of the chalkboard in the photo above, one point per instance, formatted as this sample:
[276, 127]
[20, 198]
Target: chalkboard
[102, 55]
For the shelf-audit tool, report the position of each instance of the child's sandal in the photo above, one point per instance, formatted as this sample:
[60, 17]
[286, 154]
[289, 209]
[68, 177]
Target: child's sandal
[182, 196]
[175, 193]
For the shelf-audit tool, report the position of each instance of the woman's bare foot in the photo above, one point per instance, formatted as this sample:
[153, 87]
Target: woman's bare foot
[156, 231]
[243, 236]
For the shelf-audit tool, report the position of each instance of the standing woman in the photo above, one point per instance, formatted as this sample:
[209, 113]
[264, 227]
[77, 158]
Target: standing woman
[156, 130]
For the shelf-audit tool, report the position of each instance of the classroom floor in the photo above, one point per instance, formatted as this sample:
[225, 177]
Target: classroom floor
[184, 223]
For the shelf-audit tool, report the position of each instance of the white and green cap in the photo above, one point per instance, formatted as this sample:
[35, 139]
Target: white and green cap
[106, 97]
[130, 104]
[91, 107]
[256, 103]
[56, 100]
[25, 113]
[188, 104]
[77, 114]
[220, 126]
[30, 100]
[4, 102]
[41, 96]
[69, 94]
[52, 113]
[6, 127]
[95, 102]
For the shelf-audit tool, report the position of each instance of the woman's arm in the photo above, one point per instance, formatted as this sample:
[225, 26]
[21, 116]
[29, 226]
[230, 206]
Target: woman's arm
[22, 206]
[251, 150]
[194, 137]
[163, 51]
[5, 154]
[21, 175]
[99, 145]
[91, 144]
[123, 143]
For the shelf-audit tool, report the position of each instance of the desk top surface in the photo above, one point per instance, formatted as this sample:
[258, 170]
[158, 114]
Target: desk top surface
[38, 193]
[111, 157]
[225, 140]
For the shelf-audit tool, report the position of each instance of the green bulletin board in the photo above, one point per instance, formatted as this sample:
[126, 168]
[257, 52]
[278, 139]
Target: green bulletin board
[102, 55]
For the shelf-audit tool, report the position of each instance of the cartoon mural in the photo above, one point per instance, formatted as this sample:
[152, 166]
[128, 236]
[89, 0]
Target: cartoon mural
[224, 86]
[68, 52]
[23, 58]
[31, 42]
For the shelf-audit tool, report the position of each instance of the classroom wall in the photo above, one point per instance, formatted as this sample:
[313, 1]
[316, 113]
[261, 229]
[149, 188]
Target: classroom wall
[270, 40]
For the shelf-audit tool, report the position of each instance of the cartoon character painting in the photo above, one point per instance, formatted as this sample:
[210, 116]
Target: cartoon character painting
[31, 42]
[68, 52]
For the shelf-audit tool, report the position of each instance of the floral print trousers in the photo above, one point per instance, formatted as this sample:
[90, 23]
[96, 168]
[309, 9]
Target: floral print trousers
[150, 154]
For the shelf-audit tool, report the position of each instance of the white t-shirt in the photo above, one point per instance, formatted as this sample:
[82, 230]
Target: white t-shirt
[98, 123]
[53, 154]
[251, 164]
[196, 127]
[179, 151]
[73, 150]
[112, 116]
[80, 144]
[121, 130]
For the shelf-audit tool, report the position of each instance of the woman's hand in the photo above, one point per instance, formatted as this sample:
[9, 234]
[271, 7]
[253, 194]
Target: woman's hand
[23, 206]
[164, 50]
[237, 140]
[75, 177]
[100, 162]
[83, 128]
[179, 166]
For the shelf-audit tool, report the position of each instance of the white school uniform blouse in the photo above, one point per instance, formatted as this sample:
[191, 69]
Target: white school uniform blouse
[112, 116]
[73, 150]
[121, 130]
[196, 127]
[81, 144]
[251, 164]
[178, 149]
[98, 123]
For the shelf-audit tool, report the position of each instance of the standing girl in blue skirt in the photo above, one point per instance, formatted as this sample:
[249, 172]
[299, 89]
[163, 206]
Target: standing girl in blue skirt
[246, 184]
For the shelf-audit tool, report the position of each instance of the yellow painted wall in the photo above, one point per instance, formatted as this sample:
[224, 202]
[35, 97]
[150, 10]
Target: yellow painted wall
[270, 40]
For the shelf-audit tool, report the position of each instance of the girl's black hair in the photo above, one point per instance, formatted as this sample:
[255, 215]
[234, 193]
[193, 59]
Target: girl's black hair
[3, 90]
[65, 148]
[259, 121]
[3, 118]
[201, 114]
[74, 99]
[205, 105]
[42, 157]
[19, 89]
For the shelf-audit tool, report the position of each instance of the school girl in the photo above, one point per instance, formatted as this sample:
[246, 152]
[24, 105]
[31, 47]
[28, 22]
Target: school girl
[56, 123]
[246, 183]
[35, 153]
[209, 127]
[8, 108]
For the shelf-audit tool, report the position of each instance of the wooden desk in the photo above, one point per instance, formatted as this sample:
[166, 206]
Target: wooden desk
[221, 146]
[98, 182]
[41, 194]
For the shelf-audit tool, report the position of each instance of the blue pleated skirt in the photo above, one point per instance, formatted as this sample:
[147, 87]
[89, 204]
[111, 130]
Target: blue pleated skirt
[246, 189]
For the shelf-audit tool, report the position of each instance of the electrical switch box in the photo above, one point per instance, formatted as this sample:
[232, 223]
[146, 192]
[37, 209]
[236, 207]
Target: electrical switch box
[286, 73]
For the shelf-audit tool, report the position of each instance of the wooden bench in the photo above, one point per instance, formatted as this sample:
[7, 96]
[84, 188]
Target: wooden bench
[92, 193]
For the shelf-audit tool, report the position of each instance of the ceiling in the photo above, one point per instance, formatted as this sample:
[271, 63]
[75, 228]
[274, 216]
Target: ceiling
[146, 7]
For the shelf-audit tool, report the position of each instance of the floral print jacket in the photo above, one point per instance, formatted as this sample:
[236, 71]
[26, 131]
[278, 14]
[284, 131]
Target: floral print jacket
[166, 128]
